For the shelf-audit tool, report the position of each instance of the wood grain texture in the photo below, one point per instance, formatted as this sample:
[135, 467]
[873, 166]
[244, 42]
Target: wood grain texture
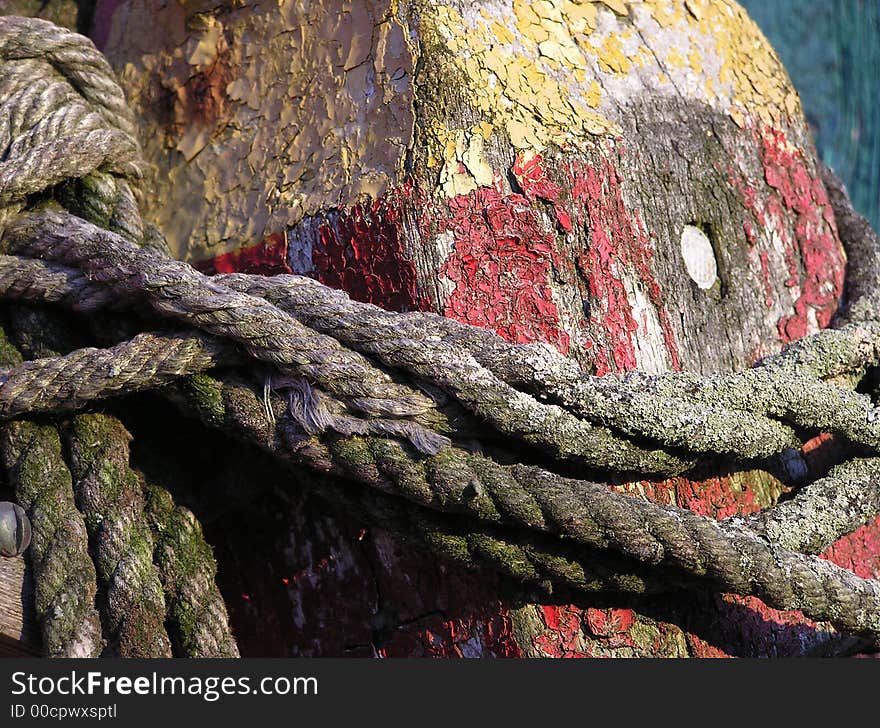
[18, 632]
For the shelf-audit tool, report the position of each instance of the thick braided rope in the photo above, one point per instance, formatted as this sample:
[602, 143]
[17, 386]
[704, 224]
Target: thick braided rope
[728, 555]
[63, 117]
[196, 614]
[68, 382]
[176, 290]
[735, 414]
[666, 408]
[59, 96]
[553, 566]
[109, 496]
[126, 538]
[64, 575]
[45, 282]
[75, 58]
[823, 511]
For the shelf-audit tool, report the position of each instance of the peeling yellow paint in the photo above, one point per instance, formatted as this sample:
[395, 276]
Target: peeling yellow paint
[558, 72]
[208, 46]
[317, 110]
[618, 6]
[520, 78]
[748, 65]
[319, 99]
[611, 54]
[474, 159]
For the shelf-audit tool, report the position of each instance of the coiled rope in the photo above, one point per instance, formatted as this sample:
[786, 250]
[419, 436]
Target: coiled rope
[378, 408]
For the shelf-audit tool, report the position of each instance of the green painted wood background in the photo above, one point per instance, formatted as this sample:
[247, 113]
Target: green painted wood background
[831, 49]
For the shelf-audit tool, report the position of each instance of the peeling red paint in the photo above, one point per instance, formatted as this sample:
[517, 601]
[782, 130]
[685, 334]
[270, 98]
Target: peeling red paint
[528, 169]
[531, 175]
[609, 622]
[618, 245]
[363, 252]
[717, 497]
[268, 257]
[813, 255]
[563, 638]
[858, 551]
[500, 267]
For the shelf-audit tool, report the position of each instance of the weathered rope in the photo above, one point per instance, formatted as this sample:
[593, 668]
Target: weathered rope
[69, 382]
[748, 415]
[109, 496]
[64, 575]
[196, 614]
[63, 119]
[130, 599]
[823, 511]
[362, 389]
[65, 582]
[726, 553]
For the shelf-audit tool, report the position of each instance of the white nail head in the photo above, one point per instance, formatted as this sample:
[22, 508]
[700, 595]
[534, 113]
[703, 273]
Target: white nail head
[699, 258]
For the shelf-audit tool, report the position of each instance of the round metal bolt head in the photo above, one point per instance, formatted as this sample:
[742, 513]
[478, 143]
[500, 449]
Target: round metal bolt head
[15, 529]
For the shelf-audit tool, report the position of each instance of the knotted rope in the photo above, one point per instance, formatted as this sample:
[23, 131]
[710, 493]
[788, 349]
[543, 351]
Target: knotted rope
[379, 408]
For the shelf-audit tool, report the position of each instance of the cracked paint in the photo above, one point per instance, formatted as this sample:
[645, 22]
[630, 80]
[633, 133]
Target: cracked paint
[302, 108]
[619, 250]
[362, 251]
[794, 210]
[499, 267]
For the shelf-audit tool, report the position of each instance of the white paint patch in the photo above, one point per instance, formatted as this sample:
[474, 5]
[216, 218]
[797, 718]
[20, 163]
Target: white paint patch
[699, 258]
[650, 348]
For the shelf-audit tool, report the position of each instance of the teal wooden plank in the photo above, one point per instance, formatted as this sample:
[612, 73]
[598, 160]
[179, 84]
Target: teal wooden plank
[831, 49]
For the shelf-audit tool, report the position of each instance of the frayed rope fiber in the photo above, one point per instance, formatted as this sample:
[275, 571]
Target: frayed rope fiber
[380, 408]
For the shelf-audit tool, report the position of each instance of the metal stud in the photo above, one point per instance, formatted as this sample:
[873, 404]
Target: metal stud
[15, 529]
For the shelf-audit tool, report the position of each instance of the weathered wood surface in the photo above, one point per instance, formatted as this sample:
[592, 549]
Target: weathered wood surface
[18, 633]
[527, 167]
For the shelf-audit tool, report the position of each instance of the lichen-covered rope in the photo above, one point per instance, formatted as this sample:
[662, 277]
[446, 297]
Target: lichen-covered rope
[177, 290]
[110, 497]
[40, 281]
[748, 415]
[196, 614]
[65, 582]
[122, 534]
[68, 382]
[64, 120]
[727, 554]
[820, 513]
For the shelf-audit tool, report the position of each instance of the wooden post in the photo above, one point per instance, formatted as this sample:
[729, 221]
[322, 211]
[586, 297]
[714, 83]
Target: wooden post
[632, 183]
